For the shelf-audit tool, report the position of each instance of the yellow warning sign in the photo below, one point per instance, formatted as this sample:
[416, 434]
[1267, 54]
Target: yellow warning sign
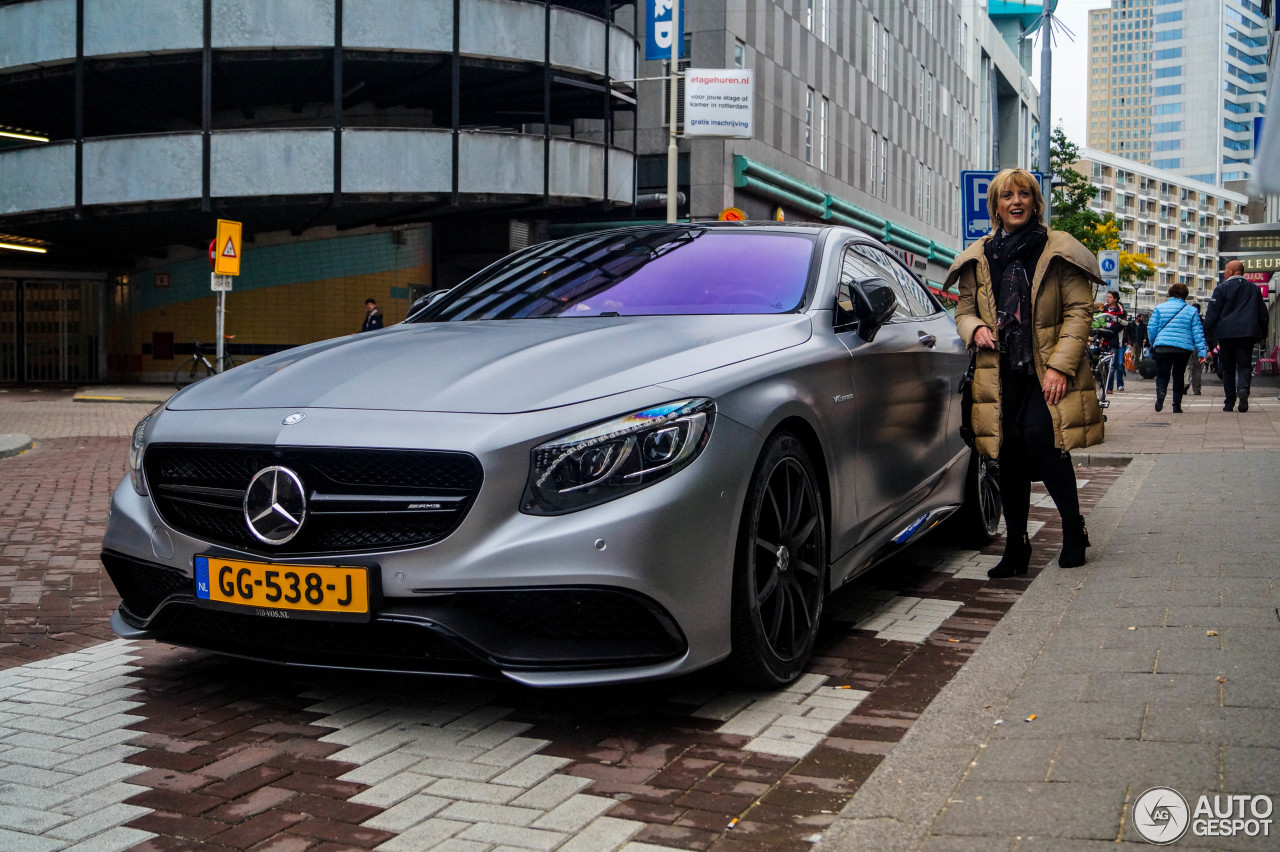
[226, 259]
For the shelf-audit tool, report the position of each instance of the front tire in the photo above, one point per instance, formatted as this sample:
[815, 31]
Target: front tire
[780, 568]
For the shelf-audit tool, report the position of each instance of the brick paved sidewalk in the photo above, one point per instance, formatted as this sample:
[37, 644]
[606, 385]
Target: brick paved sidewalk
[117, 744]
[1135, 428]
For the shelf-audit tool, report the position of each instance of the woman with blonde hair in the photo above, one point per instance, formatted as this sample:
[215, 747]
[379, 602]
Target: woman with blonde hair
[1026, 306]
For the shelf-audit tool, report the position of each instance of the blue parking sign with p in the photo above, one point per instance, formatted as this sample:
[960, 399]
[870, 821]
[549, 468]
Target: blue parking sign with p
[975, 220]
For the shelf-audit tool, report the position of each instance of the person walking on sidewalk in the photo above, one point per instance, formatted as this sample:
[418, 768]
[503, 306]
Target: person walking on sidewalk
[1136, 339]
[1176, 335]
[1118, 325]
[1026, 305]
[1236, 319]
[1192, 380]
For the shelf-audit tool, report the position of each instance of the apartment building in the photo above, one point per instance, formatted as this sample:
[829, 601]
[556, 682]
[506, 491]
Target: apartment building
[1178, 84]
[1171, 219]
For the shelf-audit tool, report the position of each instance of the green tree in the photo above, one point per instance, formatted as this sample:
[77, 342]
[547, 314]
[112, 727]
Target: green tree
[1135, 268]
[1071, 197]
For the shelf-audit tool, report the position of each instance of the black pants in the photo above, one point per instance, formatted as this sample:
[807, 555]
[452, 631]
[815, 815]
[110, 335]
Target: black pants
[1235, 365]
[1170, 362]
[1028, 453]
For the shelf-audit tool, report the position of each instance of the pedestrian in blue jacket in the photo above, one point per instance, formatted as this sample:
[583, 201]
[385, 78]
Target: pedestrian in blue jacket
[1176, 335]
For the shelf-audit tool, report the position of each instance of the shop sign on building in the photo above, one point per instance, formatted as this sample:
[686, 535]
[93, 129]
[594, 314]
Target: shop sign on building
[718, 102]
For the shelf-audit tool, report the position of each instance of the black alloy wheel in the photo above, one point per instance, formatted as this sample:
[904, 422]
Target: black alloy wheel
[985, 482]
[780, 571]
[977, 521]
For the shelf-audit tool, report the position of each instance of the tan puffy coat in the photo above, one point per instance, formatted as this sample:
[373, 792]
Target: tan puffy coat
[1061, 312]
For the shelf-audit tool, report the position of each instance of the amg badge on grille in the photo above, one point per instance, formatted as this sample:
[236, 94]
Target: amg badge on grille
[275, 505]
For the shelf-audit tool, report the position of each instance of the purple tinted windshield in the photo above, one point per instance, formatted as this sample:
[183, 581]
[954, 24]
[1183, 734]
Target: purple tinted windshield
[653, 271]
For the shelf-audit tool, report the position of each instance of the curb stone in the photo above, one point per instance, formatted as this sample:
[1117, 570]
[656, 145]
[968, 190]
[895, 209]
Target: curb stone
[12, 444]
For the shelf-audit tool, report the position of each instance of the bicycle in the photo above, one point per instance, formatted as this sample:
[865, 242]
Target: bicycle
[1100, 362]
[198, 366]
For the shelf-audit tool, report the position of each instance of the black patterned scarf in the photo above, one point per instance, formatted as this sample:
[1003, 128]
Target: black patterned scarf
[1013, 258]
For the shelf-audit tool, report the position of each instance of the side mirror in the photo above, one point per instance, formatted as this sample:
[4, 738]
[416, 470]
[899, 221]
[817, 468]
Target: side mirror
[425, 300]
[874, 303]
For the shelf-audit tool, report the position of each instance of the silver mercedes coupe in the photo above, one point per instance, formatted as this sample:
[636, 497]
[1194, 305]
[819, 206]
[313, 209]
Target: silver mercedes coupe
[615, 457]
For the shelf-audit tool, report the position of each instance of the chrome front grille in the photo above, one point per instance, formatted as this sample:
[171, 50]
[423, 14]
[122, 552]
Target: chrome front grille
[359, 500]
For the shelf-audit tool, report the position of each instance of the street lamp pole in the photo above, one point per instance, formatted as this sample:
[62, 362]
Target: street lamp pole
[1046, 102]
[672, 151]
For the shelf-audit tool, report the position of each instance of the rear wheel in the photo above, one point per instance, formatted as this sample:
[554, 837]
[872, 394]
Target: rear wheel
[780, 568]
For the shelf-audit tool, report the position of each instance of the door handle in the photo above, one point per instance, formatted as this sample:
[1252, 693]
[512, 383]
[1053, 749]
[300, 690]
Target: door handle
[928, 339]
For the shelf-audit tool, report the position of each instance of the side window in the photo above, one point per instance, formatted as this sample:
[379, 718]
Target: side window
[914, 299]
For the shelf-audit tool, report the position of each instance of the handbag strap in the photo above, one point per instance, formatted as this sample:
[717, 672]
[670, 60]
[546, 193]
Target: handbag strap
[1166, 325]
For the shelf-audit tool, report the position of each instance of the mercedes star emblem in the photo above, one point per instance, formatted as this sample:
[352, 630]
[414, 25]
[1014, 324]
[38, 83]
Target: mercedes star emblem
[275, 505]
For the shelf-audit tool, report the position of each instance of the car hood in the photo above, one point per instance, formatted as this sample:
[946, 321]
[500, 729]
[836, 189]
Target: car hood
[494, 367]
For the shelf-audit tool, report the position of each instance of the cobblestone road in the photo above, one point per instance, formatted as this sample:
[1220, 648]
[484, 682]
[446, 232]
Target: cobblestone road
[106, 744]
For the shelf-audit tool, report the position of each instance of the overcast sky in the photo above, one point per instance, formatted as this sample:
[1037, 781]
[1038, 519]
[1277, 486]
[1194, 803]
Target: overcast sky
[1071, 68]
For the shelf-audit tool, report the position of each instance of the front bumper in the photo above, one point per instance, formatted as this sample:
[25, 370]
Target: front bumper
[463, 632]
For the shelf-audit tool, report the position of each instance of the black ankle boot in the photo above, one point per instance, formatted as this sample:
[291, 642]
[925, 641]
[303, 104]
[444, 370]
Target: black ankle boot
[1016, 558]
[1075, 538]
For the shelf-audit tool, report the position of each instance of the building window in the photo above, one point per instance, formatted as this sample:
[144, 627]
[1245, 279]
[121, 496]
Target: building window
[1169, 71]
[884, 58]
[739, 55]
[872, 182]
[884, 167]
[920, 190]
[928, 197]
[823, 118]
[808, 126]
[1166, 91]
[873, 51]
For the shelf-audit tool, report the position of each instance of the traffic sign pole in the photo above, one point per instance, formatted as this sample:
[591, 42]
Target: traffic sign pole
[225, 254]
[1109, 263]
[220, 325]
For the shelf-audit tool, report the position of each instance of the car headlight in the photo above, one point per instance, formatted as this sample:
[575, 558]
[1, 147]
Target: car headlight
[136, 445]
[617, 457]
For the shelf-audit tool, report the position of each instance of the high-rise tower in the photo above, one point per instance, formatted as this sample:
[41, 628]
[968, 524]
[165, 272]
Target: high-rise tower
[1177, 84]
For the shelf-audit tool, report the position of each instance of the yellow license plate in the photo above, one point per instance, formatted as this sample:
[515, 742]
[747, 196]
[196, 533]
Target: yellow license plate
[284, 591]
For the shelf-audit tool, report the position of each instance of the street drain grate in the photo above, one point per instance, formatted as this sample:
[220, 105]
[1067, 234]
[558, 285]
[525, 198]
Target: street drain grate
[1158, 425]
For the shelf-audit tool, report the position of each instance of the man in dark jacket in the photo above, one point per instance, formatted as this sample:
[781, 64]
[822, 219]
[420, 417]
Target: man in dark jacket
[372, 316]
[1236, 319]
